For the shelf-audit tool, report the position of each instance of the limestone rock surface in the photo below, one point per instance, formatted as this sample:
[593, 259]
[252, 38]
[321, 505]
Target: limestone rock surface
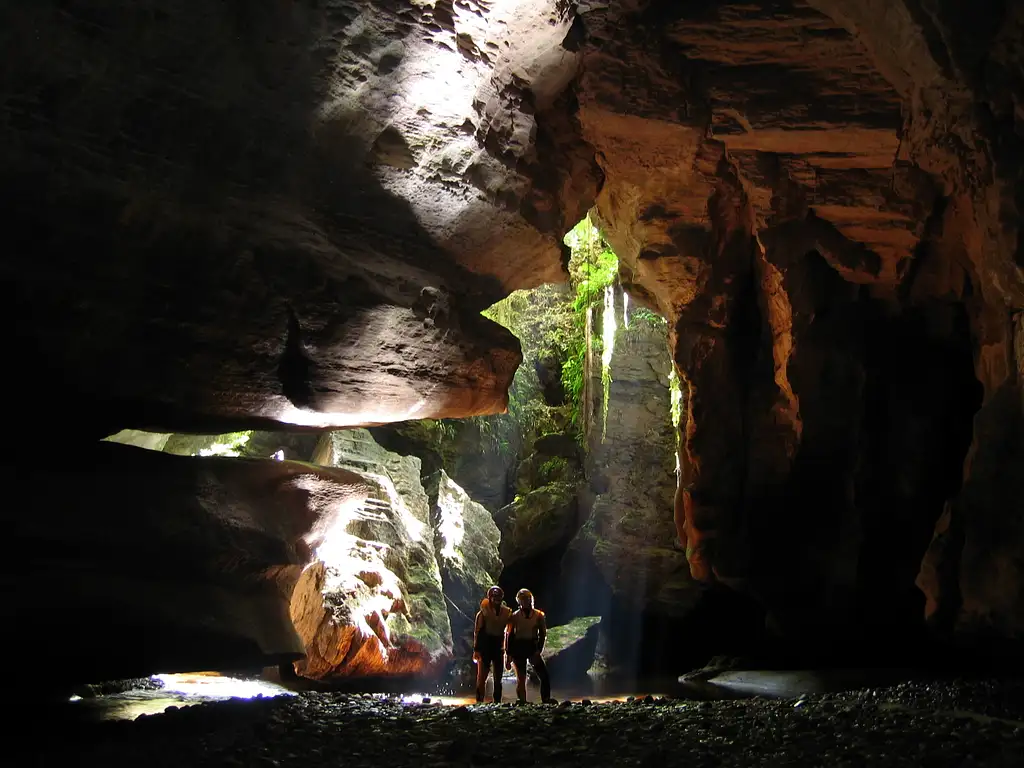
[466, 545]
[372, 604]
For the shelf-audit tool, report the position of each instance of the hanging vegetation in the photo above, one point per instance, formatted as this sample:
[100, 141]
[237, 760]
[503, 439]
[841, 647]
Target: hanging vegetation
[593, 268]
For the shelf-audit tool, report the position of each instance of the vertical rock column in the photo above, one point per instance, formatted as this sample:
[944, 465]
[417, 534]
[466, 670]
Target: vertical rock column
[629, 538]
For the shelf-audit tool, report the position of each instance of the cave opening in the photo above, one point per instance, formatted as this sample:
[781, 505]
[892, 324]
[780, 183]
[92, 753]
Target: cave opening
[576, 482]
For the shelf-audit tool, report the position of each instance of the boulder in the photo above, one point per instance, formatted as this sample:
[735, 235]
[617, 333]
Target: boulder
[537, 521]
[137, 562]
[570, 648]
[372, 605]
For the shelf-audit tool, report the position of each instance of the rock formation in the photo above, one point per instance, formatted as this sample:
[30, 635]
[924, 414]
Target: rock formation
[466, 546]
[135, 561]
[231, 216]
[630, 533]
[626, 562]
[538, 521]
[784, 184]
[373, 603]
[569, 649]
[327, 269]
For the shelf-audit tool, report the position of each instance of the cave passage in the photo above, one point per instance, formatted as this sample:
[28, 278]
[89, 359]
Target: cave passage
[704, 321]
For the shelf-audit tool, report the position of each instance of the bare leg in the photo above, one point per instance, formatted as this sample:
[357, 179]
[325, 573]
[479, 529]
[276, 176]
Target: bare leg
[496, 665]
[542, 672]
[520, 665]
[481, 680]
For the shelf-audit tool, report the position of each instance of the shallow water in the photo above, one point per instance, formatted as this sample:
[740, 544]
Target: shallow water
[182, 690]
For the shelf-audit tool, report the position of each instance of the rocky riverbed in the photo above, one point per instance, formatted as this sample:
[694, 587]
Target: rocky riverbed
[959, 723]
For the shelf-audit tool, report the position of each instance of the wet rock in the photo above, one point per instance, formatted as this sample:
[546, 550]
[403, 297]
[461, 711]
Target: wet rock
[234, 732]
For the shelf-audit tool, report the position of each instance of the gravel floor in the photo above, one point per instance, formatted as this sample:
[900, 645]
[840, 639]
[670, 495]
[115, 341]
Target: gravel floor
[961, 723]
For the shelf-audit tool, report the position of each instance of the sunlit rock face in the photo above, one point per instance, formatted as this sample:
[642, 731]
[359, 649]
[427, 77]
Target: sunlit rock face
[569, 649]
[280, 215]
[626, 561]
[300, 446]
[372, 604]
[466, 546]
[134, 561]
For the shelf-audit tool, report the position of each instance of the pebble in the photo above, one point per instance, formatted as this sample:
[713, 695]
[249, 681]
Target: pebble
[881, 727]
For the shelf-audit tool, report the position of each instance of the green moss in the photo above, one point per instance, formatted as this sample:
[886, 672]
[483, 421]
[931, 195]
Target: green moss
[646, 316]
[565, 635]
[641, 322]
[427, 619]
[540, 515]
[511, 312]
[553, 470]
[593, 266]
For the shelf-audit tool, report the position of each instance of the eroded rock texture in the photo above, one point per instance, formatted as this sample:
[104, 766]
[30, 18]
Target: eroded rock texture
[287, 214]
[626, 561]
[135, 561]
[225, 216]
[818, 196]
[373, 604]
[466, 546]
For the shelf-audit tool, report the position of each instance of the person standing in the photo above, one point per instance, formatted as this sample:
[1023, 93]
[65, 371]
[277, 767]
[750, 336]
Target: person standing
[524, 643]
[488, 635]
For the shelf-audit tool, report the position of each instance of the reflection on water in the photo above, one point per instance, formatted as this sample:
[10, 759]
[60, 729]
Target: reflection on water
[216, 687]
[596, 689]
[179, 690]
[182, 690]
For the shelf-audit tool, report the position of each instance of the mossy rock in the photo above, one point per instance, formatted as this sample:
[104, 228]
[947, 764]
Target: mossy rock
[537, 471]
[538, 520]
[570, 648]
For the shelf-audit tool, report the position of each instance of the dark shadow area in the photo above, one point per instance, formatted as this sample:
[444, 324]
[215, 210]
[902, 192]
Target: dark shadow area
[920, 398]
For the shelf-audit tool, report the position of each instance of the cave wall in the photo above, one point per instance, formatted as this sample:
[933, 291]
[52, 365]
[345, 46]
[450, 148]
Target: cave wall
[821, 199]
[226, 217]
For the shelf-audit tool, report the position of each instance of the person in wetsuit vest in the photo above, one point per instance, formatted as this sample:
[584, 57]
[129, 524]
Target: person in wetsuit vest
[488, 634]
[524, 642]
